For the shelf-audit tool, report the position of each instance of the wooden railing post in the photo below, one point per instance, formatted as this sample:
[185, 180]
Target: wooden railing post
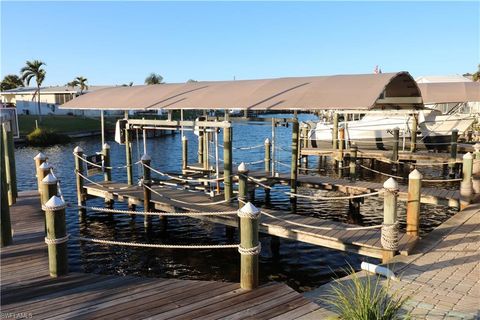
[107, 174]
[466, 187]
[249, 246]
[389, 235]
[39, 159]
[227, 162]
[10, 170]
[335, 132]
[413, 134]
[147, 194]
[81, 197]
[341, 144]
[453, 153]
[242, 184]
[294, 163]
[5, 226]
[184, 152]
[57, 237]
[413, 202]
[200, 145]
[353, 161]
[268, 156]
[396, 137]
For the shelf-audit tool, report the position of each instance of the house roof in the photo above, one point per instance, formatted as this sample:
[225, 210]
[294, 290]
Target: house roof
[363, 91]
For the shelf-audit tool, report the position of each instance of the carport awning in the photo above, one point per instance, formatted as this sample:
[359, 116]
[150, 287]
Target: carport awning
[348, 92]
[450, 92]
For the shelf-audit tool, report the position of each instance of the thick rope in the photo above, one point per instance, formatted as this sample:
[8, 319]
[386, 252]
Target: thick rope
[382, 173]
[363, 195]
[317, 227]
[389, 239]
[250, 251]
[442, 180]
[181, 179]
[166, 214]
[282, 164]
[58, 240]
[153, 245]
[243, 148]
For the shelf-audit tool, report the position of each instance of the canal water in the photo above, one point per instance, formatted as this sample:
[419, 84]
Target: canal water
[301, 266]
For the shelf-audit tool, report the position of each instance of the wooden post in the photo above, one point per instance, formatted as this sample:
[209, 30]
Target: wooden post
[39, 159]
[147, 194]
[49, 188]
[294, 163]
[249, 246]
[242, 184]
[57, 237]
[200, 145]
[128, 152]
[466, 187]
[413, 203]
[81, 197]
[453, 153]
[205, 150]
[268, 156]
[341, 140]
[353, 161]
[396, 140]
[227, 164]
[107, 174]
[5, 226]
[9, 154]
[44, 170]
[184, 152]
[335, 131]
[413, 134]
[389, 236]
[476, 170]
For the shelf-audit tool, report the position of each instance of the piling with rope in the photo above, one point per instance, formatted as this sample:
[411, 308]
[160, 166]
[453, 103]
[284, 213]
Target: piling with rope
[39, 159]
[81, 195]
[413, 202]
[466, 187]
[147, 194]
[476, 170]
[9, 155]
[453, 153]
[389, 234]
[5, 226]
[250, 247]
[227, 162]
[184, 152]
[242, 184]
[57, 237]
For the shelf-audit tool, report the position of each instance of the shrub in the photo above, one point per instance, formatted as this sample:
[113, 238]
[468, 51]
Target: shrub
[43, 137]
[366, 299]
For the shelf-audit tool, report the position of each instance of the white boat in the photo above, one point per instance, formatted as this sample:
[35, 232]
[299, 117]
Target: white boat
[375, 129]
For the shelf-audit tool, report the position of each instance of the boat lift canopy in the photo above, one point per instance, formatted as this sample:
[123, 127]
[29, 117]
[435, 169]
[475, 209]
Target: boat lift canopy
[337, 92]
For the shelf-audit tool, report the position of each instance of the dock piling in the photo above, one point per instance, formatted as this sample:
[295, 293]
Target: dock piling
[10, 170]
[49, 188]
[147, 194]
[57, 237]
[184, 152]
[353, 161]
[476, 170]
[294, 163]
[341, 144]
[81, 196]
[227, 164]
[335, 132]
[249, 246]
[39, 159]
[453, 153]
[242, 184]
[389, 237]
[413, 202]
[466, 187]
[201, 144]
[396, 141]
[413, 134]
[107, 173]
[268, 156]
[5, 226]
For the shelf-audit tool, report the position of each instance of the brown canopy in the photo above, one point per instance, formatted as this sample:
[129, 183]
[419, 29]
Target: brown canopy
[361, 92]
[450, 92]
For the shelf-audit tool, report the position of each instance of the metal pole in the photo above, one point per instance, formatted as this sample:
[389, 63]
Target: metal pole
[217, 162]
[274, 153]
[128, 153]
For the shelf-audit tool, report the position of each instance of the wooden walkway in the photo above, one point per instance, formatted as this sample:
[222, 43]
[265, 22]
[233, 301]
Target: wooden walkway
[364, 242]
[28, 292]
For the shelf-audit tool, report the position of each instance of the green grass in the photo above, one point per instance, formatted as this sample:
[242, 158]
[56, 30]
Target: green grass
[62, 124]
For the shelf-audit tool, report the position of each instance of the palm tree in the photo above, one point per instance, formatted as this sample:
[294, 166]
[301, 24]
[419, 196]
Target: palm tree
[476, 75]
[72, 84]
[82, 83]
[154, 78]
[33, 69]
[11, 81]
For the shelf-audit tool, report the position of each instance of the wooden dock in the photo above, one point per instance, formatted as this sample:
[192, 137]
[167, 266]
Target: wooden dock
[324, 233]
[28, 292]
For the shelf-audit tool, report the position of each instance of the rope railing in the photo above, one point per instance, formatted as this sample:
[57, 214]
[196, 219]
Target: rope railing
[319, 227]
[244, 148]
[200, 180]
[160, 214]
[441, 180]
[282, 164]
[102, 186]
[382, 173]
[101, 166]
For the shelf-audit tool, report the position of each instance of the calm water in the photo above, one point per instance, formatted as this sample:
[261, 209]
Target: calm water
[300, 265]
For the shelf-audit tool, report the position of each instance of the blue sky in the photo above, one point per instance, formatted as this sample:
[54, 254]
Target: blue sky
[119, 42]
